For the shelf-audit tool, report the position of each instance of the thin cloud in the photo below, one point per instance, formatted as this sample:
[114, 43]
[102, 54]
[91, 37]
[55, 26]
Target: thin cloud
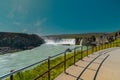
[0, 23]
[24, 30]
[11, 13]
[17, 23]
[40, 22]
[18, 8]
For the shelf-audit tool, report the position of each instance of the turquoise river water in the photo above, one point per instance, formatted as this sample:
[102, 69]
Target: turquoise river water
[15, 61]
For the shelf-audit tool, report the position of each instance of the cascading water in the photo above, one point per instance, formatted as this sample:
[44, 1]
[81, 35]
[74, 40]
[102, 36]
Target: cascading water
[62, 41]
[81, 42]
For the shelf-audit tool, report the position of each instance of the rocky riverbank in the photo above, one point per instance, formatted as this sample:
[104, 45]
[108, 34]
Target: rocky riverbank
[12, 42]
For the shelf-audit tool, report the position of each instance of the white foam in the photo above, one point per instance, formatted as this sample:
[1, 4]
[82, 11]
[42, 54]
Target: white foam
[62, 41]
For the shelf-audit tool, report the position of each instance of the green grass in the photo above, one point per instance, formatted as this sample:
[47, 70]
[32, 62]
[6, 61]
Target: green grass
[34, 72]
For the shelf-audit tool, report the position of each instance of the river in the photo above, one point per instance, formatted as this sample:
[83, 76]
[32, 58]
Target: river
[17, 60]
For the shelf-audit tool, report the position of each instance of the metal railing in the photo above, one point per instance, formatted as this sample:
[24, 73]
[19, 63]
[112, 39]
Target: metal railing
[77, 51]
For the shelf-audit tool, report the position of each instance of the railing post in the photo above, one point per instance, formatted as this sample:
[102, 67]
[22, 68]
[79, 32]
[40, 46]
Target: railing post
[87, 50]
[105, 46]
[49, 68]
[114, 44]
[95, 48]
[81, 52]
[99, 47]
[74, 55]
[92, 49]
[110, 45]
[11, 77]
[102, 46]
[65, 62]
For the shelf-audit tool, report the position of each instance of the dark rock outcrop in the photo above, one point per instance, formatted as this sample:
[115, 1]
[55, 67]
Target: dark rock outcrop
[20, 41]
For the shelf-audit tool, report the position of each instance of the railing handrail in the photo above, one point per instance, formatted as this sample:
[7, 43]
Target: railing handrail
[19, 70]
[16, 71]
[27, 67]
[64, 52]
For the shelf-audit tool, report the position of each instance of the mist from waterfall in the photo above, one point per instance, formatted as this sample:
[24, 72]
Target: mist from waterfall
[62, 41]
[81, 41]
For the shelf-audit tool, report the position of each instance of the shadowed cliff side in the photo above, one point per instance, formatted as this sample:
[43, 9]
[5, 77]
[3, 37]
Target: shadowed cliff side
[10, 42]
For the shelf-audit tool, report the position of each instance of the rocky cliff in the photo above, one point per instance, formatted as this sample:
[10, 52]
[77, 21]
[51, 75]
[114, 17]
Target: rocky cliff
[21, 41]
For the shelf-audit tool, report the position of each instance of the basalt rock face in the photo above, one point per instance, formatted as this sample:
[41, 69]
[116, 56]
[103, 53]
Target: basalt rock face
[89, 41]
[20, 41]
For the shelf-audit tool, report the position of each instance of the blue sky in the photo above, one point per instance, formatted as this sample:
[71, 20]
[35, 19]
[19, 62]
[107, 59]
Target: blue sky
[47, 17]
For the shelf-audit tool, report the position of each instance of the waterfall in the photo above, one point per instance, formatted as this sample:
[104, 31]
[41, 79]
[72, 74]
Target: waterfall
[61, 41]
[81, 41]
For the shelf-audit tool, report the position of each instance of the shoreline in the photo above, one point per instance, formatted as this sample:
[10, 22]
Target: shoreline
[5, 50]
